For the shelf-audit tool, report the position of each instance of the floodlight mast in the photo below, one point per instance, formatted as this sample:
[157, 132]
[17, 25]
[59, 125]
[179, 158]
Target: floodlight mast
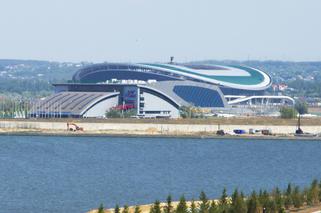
[172, 60]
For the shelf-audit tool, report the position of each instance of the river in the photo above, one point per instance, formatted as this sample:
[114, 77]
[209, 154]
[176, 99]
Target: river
[76, 174]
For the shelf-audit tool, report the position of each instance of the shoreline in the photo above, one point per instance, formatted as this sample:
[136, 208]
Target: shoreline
[190, 121]
[155, 135]
[147, 129]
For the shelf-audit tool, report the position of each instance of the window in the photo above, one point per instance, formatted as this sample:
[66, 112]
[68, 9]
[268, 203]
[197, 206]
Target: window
[152, 112]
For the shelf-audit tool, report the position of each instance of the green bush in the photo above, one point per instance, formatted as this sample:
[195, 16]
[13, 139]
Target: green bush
[301, 107]
[288, 112]
[116, 113]
[191, 112]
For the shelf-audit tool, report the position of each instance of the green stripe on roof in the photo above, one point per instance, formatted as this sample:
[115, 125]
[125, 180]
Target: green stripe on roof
[254, 78]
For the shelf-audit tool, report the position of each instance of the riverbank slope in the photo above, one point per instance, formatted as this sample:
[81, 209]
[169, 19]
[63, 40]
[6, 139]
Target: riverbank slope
[189, 127]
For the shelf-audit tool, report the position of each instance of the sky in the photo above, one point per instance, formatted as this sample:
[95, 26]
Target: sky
[154, 30]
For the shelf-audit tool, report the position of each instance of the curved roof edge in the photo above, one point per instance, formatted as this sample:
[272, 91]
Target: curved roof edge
[97, 101]
[162, 93]
[237, 77]
[184, 71]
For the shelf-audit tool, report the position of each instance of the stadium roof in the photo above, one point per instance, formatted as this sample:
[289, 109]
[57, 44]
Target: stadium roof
[71, 103]
[238, 77]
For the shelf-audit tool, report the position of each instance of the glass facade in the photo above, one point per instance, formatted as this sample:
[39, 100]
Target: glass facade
[130, 96]
[199, 96]
[232, 91]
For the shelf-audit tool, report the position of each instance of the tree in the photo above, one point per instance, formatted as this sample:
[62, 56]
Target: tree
[117, 210]
[181, 206]
[168, 207]
[185, 112]
[224, 205]
[238, 204]
[224, 197]
[137, 209]
[277, 197]
[155, 207]
[320, 191]
[117, 113]
[288, 199]
[305, 195]
[297, 197]
[301, 107]
[253, 205]
[193, 207]
[288, 112]
[125, 209]
[313, 193]
[213, 207]
[204, 205]
[264, 198]
[271, 206]
[101, 208]
[113, 113]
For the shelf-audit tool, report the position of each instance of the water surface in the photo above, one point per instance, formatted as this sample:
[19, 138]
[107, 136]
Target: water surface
[75, 174]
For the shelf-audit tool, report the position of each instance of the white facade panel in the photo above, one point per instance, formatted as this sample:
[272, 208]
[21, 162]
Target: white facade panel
[155, 106]
[99, 110]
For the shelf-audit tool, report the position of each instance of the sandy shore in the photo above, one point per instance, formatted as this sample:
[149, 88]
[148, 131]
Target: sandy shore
[64, 133]
[37, 132]
[56, 128]
[146, 208]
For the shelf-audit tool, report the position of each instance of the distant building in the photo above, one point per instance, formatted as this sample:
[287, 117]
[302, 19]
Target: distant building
[279, 87]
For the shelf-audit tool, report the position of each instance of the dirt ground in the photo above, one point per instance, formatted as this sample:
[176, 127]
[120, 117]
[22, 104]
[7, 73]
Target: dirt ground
[307, 209]
[214, 121]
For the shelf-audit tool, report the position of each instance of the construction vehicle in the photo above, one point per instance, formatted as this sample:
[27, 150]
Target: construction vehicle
[73, 127]
[266, 132]
[299, 132]
[220, 132]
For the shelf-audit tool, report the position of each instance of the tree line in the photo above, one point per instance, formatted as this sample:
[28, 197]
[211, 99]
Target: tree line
[300, 107]
[275, 201]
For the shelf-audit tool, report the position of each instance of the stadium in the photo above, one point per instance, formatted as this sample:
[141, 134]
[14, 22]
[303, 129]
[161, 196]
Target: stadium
[157, 90]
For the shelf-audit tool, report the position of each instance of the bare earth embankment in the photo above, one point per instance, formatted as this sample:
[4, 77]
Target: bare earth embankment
[206, 121]
[160, 127]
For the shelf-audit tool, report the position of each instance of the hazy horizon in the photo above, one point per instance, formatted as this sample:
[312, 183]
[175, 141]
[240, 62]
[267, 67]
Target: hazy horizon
[164, 61]
[152, 31]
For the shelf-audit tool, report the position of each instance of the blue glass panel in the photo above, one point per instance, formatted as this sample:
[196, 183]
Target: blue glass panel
[199, 96]
[231, 91]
